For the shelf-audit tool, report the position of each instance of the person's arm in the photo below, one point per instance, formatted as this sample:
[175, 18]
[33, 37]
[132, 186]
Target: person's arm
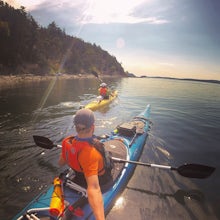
[95, 197]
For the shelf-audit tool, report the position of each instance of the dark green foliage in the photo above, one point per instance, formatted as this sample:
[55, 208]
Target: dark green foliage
[26, 47]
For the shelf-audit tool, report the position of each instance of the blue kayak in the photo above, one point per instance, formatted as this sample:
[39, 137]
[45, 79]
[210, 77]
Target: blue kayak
[68, 199]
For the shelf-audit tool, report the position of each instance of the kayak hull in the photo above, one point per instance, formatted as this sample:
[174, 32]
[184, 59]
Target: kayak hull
[95, 104]
[132, 145]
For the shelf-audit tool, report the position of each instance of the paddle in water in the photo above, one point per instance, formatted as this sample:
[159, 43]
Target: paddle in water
[187, 170]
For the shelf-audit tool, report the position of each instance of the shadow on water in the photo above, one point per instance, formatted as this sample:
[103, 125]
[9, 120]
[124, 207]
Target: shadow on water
[194, 202]
[180, 195]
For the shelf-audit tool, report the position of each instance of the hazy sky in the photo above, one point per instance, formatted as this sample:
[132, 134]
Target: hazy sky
[175, 38]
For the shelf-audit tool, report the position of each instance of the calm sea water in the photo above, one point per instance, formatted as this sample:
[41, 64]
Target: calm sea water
[185, 129]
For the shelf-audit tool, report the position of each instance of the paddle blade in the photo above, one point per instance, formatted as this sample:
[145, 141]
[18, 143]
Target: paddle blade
[195, 171]
[95, 74]
[43, 142]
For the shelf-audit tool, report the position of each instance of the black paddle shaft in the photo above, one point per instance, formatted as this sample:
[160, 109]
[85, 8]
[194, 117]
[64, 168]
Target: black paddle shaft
[188, 170]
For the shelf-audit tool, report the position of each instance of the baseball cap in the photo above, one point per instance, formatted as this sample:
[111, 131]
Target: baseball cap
[84, 118]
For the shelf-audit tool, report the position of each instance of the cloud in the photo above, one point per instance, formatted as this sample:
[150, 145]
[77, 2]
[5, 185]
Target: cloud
[166, 64]
[26, 3]
[114, 11]
[13, 3]
[94, 11]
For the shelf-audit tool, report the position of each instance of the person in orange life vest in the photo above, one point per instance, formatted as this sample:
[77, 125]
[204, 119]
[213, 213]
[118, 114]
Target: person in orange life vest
[103, 91]
[79, 153]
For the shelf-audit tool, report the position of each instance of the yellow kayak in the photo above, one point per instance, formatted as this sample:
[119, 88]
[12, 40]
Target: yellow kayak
[95, 104]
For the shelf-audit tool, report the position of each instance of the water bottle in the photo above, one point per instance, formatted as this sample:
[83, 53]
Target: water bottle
[57, 200]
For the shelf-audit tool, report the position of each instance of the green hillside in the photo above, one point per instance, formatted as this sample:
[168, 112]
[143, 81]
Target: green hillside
[27, 48]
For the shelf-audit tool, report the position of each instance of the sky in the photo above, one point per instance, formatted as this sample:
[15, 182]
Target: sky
[166, 38]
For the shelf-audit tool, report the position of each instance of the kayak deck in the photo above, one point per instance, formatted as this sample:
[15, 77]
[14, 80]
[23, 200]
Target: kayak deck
[95, 104]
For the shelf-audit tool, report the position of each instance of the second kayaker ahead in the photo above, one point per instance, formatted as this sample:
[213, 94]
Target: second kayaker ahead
[104, 92]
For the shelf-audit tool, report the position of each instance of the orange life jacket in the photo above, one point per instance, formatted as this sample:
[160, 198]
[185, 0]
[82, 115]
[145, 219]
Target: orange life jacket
[103, 91]
[71, 149]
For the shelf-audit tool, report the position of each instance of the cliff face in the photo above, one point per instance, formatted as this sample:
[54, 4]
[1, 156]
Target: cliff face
[27, 48]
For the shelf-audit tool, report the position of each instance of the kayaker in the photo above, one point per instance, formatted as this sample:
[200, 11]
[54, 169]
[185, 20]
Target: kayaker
[84, 154]
[103, 92]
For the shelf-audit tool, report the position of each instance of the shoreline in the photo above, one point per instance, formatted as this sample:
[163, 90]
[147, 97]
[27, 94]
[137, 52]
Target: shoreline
[7, 81]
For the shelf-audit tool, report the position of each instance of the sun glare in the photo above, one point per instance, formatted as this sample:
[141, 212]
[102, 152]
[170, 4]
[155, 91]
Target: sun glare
[119, 202]
[26, 3]
[99, 11]
[120, 43]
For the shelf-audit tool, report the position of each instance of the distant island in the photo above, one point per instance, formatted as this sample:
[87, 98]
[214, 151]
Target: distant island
[172, 78]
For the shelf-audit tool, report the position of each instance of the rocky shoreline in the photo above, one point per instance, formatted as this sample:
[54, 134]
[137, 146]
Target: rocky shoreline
[7, 81]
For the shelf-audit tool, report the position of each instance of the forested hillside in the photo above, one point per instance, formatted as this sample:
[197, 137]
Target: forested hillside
[27, 48]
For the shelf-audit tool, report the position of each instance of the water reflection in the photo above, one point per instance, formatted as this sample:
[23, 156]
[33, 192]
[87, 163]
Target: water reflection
[119, 203]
